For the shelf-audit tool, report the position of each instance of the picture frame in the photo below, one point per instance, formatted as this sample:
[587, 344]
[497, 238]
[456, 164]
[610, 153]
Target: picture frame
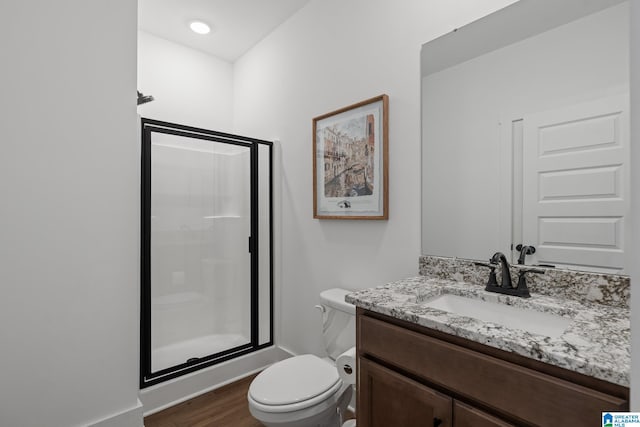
[351, 162]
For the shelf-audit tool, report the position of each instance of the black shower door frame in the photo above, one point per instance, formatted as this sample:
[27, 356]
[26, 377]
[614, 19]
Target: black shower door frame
[148, 127]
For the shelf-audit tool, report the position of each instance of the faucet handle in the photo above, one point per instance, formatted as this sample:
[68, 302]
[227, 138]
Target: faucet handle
[524, 271]
[522, 288]
[486, 264]
[493, 281]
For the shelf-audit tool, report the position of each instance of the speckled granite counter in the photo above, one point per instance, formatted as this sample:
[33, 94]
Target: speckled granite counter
[596, 343]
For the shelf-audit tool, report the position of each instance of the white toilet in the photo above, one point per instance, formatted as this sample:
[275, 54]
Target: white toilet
[306, 391]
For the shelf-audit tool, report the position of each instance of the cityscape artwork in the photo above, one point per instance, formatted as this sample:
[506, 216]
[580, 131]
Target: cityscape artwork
[350, 162]
[348, 157]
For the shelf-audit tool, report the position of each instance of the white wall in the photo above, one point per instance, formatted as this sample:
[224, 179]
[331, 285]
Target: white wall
[69, 185]
[189, 87]
[331, 54]
[463, 106]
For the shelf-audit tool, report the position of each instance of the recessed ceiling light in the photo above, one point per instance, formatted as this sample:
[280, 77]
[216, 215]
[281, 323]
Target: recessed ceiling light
[199, 27]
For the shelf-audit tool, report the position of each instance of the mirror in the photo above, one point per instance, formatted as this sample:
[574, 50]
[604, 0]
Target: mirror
[525, 135]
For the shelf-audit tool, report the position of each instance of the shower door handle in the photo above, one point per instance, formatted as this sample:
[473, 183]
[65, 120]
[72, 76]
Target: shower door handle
[250, 244]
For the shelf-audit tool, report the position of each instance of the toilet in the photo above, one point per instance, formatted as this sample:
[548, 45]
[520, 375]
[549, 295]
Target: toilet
[306, 390]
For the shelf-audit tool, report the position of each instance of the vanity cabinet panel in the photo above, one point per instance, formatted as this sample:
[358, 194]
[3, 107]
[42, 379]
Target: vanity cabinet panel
[527, 396]
[468, 416]
[387, 398]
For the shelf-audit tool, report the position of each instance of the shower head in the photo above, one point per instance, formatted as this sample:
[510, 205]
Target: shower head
[142, 99]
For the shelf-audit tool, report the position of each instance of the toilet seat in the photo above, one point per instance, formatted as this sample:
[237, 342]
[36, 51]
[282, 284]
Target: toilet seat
[294, 384]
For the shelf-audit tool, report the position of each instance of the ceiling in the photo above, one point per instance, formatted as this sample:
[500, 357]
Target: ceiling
[236, 25]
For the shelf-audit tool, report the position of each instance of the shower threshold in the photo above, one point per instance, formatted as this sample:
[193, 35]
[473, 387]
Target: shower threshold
[178, 353]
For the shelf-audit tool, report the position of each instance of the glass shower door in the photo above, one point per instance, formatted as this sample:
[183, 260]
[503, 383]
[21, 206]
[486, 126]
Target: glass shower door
[201, 290]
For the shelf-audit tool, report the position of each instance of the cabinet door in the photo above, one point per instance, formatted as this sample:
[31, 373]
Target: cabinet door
[386, 398]
[468, 416]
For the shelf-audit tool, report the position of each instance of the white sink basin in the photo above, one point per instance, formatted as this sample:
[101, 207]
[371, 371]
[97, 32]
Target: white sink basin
[536, 322]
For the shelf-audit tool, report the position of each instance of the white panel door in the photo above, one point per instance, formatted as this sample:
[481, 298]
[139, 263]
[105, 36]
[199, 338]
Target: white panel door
[575, 182]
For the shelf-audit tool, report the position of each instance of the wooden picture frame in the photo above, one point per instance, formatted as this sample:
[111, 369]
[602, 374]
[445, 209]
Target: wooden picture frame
[351, 162]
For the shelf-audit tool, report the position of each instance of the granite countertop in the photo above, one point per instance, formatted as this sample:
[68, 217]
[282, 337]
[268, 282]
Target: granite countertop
[596, 343]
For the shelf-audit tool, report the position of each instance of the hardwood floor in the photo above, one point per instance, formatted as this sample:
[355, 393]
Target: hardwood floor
[223, 407]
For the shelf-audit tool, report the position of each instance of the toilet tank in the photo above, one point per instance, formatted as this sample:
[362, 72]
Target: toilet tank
[338, 322]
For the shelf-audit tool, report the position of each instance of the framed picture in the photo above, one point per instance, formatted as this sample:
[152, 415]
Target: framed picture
[350, 162]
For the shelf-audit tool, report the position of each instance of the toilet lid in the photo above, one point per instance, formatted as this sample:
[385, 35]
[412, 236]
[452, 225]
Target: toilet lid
[293, 380]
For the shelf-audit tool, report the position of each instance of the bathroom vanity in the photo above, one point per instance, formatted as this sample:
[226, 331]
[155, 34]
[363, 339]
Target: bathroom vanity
[409, 374]
[421, 364]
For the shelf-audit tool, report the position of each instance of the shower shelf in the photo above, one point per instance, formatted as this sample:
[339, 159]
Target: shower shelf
[179, 298]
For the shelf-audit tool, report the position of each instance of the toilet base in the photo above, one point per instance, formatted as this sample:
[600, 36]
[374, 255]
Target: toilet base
[326, 414]
[327, 418]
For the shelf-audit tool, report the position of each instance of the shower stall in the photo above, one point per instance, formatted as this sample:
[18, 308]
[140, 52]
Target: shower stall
[206, 249]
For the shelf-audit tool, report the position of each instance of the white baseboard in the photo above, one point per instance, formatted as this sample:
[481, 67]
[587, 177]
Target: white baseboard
[170, 393]
[130, 418]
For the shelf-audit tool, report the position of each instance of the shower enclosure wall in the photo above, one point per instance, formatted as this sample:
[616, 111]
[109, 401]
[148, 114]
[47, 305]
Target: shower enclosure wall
[206, 248]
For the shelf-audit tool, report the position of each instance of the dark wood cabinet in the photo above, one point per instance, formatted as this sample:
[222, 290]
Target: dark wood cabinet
[468, 416]
[390, 399]
[410, 376]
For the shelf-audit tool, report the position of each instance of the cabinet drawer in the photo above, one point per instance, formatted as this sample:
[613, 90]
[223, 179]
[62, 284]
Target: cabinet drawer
[468, 416]
[529, 395]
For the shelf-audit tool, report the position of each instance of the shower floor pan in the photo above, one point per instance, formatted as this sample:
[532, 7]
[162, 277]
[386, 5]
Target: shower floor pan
[178, 353]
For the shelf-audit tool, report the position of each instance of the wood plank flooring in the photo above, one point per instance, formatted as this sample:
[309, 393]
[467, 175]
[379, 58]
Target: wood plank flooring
[223, 407]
